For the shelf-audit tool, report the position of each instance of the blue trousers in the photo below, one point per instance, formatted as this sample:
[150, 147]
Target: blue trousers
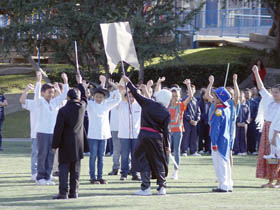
[240, 143]
[190, 138]
[97, 150]
[34, 156]
[1, 125]
[127, 148]
[176, 139]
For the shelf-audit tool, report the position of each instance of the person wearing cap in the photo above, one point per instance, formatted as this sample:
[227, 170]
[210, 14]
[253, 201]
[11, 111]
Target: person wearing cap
[70, 138]
[234, 106]
[99, 127]
[153, 142]
[176, 109]
[220, 140]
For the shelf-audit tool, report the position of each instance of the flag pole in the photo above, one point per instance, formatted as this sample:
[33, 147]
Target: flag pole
[129, 105]
[225, 84]
[77, 60]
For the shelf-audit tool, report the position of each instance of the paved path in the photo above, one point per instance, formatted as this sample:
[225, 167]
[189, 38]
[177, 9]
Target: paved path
[17, 139]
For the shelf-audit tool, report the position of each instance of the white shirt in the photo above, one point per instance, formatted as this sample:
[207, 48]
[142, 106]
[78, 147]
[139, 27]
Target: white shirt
[98, 117]
[270, 106]
[47, 112]
[31, 107]
[114, 119]
[129, 125]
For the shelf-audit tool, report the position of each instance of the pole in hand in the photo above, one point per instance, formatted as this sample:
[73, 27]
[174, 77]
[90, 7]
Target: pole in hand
[225, 84]
[77, 60]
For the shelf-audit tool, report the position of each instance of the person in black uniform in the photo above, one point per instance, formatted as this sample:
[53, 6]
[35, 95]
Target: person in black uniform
[70, 137]
[153, 141]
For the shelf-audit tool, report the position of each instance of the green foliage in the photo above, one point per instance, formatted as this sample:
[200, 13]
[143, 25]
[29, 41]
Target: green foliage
[62, 22]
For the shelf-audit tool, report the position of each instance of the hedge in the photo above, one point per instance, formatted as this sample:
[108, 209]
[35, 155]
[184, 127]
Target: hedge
[174, 74]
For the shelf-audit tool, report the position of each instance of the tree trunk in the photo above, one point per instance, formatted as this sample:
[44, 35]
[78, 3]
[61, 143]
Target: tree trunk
[141, 73]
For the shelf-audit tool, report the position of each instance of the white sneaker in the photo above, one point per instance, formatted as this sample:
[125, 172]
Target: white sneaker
[270, 156]
[196, 154]
[162, 191]
[255, 153]
[184, 154]
[146, 192]
[52, 178]
[201, 152]
[42, 182]
[50, 182]
[33, 177]
[175, 175]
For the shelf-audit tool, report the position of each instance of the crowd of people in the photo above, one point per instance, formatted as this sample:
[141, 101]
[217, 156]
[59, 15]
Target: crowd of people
[148, 125]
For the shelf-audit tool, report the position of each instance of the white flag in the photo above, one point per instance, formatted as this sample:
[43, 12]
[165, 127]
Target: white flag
[119, 45]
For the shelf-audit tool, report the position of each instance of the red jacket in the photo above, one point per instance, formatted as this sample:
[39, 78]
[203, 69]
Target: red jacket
[262, 73]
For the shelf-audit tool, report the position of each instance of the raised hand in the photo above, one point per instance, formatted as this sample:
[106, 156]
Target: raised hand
[255, 69]
[187, 82]
[211, 79]
[235, 77]
[39, 76]
[102, 79]
[161, 79]
[85, 84]
[79, 78]
[125, 79]
[64, 77]
[150, 83]
[29, 87]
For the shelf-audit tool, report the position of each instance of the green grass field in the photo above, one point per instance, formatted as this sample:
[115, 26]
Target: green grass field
[16, 125]
[192, 191]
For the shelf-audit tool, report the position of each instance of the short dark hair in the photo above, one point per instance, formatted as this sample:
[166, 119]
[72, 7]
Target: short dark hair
[46, 86]
[74, 93]
[276, 86]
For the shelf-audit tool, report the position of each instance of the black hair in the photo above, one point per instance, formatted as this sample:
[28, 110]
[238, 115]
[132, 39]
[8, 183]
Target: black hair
[74, 93]
[46, 86]
[256, 63]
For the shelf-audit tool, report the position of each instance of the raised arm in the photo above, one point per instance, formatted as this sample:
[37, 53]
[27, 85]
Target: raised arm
[187, 82]
[102, 80]
[208, 94]
[25, 93]
[139, 98]
[258, 78]
[145, 91]
[59, 99]
[37, 92]
[81, 88]
[158, 85]
[236, 90]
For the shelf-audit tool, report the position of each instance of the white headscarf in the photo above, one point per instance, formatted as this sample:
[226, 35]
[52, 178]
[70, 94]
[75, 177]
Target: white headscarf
[164, 97]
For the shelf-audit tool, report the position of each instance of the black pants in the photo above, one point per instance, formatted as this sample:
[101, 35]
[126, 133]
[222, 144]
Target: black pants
[64, 169]
[190, 139]
[252, 136]
[204, 138]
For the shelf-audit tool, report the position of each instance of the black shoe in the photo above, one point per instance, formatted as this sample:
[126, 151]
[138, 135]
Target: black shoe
[59, 196]
[103, 181]
[113, 172]
[230, 191]
[219, 190]
[56, 173]
[73, 196]
[136, 178]
[123, 177]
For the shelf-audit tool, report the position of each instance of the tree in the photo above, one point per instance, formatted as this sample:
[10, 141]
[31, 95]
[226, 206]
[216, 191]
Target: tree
[154, 24]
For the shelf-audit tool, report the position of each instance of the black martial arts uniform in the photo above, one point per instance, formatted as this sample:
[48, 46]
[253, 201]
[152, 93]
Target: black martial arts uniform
[150, 151]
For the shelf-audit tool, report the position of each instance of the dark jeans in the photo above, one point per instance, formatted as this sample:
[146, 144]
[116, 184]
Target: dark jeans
[1, 125]
[204, 138]
[127, 148]
[240, 144]
[64, 169]
[252, 136]
[190, 138]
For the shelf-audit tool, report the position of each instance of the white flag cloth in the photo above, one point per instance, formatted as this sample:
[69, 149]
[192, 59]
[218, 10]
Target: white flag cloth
[118, 44]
